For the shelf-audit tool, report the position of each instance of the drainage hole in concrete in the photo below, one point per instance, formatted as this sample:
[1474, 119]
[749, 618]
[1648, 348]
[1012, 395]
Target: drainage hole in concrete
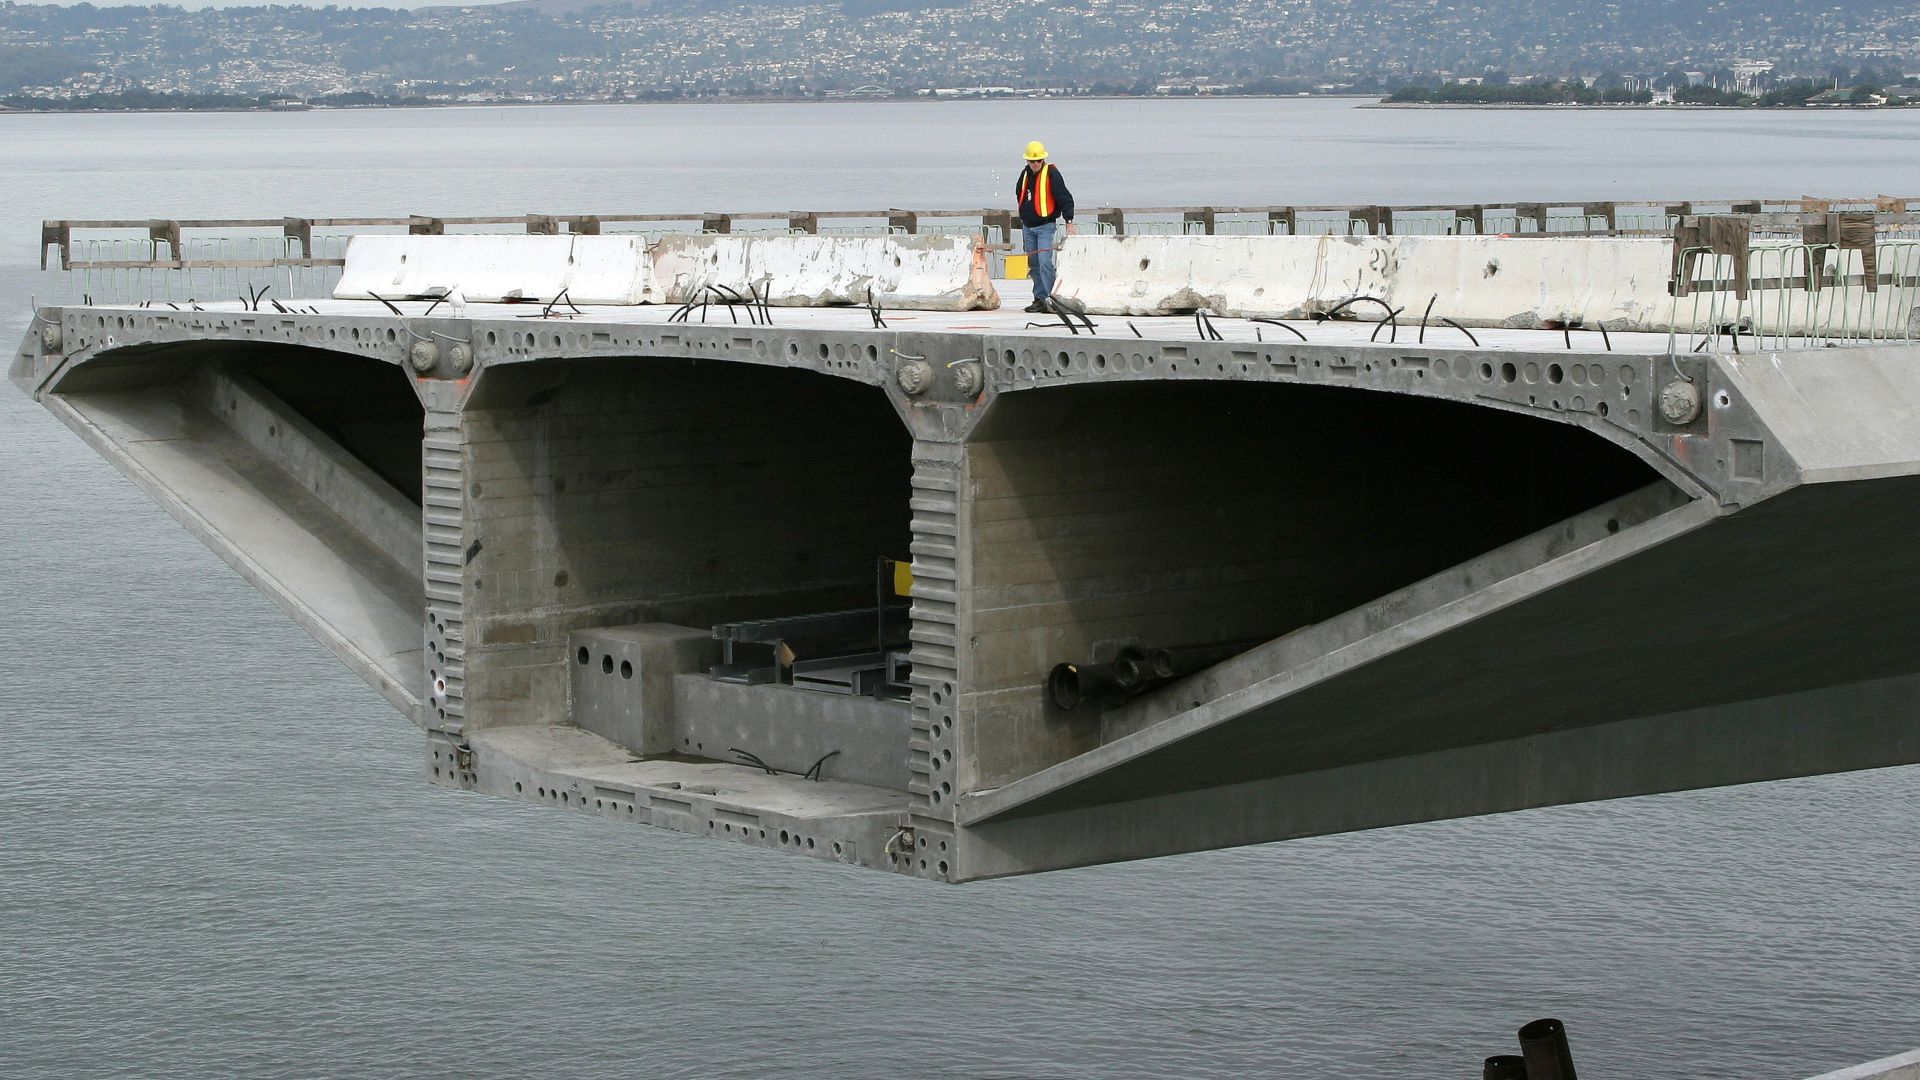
[809, 843]
[836, 847]
[626, 670]
[1600, 407]
[943, 868]
[1555, 374]
[783, 836]
[1508, 372]
[543, 792]
[606, 665]
[517, 789]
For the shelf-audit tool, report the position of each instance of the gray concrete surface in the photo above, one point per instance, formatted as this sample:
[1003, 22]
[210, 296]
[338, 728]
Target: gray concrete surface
[1475, 579]
[1898, 1067]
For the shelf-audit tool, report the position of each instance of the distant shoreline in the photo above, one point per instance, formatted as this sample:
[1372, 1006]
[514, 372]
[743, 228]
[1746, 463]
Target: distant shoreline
[1624, 106]
[1371, 102]
[917, 100]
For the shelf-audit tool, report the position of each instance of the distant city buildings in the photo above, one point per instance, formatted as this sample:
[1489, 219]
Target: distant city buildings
[942, 48]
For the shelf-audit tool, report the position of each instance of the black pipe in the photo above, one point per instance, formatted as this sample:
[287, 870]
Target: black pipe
[1070, 686]
[1160, 664]
[1504, 1067]
[1132, 668]
[1544, 1044]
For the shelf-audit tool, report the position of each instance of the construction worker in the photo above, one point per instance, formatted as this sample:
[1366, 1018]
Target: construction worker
[1044, 201]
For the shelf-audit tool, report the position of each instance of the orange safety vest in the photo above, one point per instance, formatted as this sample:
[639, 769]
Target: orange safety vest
[1042, 190]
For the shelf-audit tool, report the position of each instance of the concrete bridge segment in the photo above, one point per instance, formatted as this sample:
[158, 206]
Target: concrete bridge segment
[1466, 579]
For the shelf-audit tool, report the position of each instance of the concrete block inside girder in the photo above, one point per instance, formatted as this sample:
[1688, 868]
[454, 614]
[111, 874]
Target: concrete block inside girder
[851, 738]
[620, 680]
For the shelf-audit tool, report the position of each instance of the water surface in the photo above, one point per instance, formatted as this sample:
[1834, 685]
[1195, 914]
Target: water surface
[218, 856]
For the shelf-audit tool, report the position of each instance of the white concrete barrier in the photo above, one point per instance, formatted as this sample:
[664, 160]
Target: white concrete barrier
[941, 273]
[493, 268]
[1522, 282]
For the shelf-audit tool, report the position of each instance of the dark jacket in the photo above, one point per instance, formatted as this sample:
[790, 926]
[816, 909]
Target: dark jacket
[1056, 187]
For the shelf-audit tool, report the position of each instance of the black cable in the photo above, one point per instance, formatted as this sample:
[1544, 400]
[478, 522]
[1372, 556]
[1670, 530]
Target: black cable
[1281, 325]
[1462, 329]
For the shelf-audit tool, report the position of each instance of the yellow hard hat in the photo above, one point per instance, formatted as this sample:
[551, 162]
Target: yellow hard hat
[1036, 150]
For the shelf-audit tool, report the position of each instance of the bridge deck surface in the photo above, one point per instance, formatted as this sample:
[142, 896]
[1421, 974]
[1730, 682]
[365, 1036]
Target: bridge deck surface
[1011, 320]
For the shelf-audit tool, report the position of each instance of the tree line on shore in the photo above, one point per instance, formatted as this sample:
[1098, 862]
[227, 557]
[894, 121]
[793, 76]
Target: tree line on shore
[1789, 93]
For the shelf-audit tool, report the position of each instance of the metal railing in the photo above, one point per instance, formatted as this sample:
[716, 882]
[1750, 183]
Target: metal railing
[1786, 280]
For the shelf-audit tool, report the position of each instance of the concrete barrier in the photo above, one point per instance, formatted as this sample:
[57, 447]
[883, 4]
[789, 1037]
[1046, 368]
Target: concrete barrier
[1898, 1067]
[940, 273]
[489, 269]
[1620, 283]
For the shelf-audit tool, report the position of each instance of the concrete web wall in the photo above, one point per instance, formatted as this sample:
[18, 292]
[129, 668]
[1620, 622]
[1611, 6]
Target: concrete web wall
[641, 490]
[1190, 514]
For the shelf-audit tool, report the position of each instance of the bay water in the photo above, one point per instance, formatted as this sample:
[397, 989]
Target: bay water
[218, 857]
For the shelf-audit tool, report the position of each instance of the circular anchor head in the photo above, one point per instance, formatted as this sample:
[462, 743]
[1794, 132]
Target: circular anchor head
[915, 377]
[460, 357]
[423, 356]
[50, 337]
[966, 377]
[1680, 402]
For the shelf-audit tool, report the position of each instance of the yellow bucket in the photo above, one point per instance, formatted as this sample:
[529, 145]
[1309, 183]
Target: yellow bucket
[1016, 266]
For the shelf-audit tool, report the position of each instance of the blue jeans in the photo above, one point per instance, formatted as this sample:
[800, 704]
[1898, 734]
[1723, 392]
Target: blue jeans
[1038, 242]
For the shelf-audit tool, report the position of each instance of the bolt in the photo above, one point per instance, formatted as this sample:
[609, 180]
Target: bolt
[423, 355]
[966, 377]
[460, 356]
[915, 376]
[1679, 402]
